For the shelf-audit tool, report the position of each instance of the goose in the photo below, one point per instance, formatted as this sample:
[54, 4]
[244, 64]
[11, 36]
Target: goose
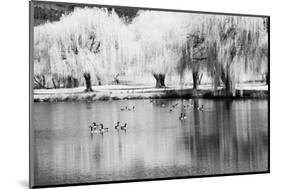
[102, 129]
[117, 126]
[124, 127]
[94, 129]
[174, 105]
[182, 116]
[93, 126]
[201, 108]
[134, 108]
[122, 109]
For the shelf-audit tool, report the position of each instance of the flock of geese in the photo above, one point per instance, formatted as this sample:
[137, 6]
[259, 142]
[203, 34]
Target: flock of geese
[183, 115]
[98, 128]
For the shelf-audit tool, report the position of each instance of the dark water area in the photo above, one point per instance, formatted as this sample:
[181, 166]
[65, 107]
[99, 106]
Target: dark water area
[228, 136]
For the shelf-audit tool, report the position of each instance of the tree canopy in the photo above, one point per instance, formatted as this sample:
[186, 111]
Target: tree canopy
[100, 43]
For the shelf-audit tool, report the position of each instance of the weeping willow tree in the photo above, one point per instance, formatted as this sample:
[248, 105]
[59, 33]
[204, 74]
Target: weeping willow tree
[234, 46]
[160, 37]
[42, 65]
[194, 51]
[88, 42]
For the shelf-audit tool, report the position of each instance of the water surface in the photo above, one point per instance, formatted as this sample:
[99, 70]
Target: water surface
[226, 137]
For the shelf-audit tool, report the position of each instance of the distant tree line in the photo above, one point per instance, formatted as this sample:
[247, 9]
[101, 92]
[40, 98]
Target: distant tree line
[50, 12]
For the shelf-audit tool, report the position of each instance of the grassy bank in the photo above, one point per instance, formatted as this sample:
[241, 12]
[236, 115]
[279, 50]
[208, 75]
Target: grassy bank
[122, 92]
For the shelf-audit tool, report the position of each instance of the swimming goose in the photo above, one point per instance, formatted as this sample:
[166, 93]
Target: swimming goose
[182, 116]
[123, 127]
[102, 129]
[174, 105]
[201, 108]
[91, 128]
[94, 128]
[117, 126]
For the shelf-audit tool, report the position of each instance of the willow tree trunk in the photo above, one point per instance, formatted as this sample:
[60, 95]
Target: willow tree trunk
[229, 83]
[99, 80]
[69, 82]
[160, 80]
[54, 83]
[88, 81]
[195, 77]
[75, 82]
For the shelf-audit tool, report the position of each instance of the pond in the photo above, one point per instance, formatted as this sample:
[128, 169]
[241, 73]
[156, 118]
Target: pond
[225, 136]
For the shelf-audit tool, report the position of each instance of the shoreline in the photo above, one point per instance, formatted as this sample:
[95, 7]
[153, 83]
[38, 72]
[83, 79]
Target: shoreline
[119, 92]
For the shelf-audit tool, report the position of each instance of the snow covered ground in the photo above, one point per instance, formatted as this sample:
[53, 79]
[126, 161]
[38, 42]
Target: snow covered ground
[144, 88]
[124, 92]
